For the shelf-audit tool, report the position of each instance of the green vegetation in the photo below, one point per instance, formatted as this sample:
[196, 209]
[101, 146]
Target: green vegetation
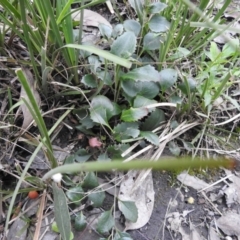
[149, 79]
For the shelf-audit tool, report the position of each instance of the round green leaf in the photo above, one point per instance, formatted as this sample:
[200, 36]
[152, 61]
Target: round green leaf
[145, 74]
[125, 45]
[145, 89]
[117, 30]
[157, 7]
[159, 24]
[132, 26]
[167, 78]
[151, 41]
[102, 101]
[106, 31]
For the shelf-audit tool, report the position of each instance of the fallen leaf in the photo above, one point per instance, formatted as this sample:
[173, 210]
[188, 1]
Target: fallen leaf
[90, 18]
[212, 235]
[142, 196]
[18, 230]
[229, 223]
[232, 193]
[40, 161]
[27, 116]
[192, 181]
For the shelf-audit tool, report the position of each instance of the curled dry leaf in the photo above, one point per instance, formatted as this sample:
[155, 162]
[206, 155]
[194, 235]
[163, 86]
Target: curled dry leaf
[94, 142]
[27, 116]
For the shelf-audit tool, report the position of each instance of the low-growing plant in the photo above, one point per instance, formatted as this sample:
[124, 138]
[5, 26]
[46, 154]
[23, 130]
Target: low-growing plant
[122, 88]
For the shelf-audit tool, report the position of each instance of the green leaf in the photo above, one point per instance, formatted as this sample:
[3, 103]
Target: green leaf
[214, 52]
[134, 114]
[105, 77]
[157, 7]
[102, 53]
[117, 30]
[99, 115]
[122, 236]
[189, 85]
[159, 24]
[137, 6]
[174, 148]
[125, 45]
[129, 210]
[150, 136]
[84, 130]
[145, 89]
[153, 120]
[103, 158]
[187, 145]
[141, 101]
[180, 53]
[105, 222]
[80, 222]
[167, 78]
[84, 118]
[145, 74]
[61, 213]
[94, 63]
[103, 102]
[75, 194]
[175, 99]
[105, 30]
[115, 151]
[97, 198]
[132, 26]
[90, 181]
[151, 41]
[126, 130]
[82, 155]
[230, 48]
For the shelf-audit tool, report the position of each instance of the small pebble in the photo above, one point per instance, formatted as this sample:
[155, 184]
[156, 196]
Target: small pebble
[190, 200]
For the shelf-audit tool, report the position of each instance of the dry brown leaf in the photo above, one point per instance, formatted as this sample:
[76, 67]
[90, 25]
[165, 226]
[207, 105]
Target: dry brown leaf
[229, 223]
[90, 18]
[27, 117]
[212, 234]
[192, 181]
[142, 196]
